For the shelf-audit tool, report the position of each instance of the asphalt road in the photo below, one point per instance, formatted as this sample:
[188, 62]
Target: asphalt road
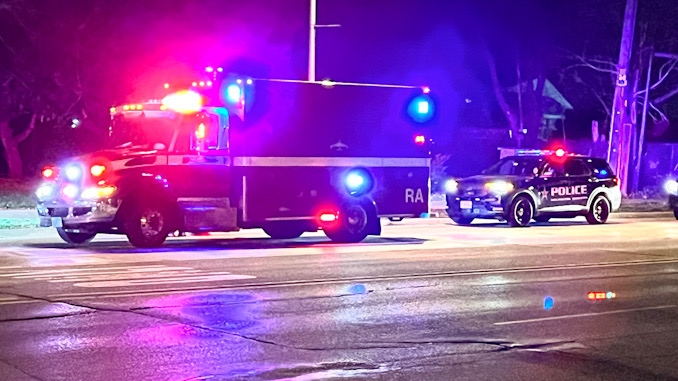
[427, 300]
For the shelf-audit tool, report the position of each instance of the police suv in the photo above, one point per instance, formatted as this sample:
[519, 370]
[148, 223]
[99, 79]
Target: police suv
[671, 187]
[536, 185]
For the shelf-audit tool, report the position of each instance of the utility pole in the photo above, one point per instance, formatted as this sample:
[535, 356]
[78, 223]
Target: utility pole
[618, 153]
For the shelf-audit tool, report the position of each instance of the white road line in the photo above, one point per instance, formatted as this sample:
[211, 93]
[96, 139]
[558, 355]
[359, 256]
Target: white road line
[537, 320]
[306, 282]
[77, 270]
[23, 302]
[142, 282]
[128, 271]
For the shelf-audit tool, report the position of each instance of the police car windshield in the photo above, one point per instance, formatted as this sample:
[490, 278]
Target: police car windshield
[514, 166]
[142, 132]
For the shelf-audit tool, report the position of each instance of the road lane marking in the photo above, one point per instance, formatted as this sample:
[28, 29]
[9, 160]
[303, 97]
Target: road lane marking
[313, 282]
[142, 282]
[36, 273]
[537, 320]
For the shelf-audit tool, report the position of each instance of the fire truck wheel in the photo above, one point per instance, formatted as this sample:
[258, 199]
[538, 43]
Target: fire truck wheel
[283, 230]
[464, 221]
[75, 238]
[520, 213]
[352, 225]
[600, 211]
[147, 223]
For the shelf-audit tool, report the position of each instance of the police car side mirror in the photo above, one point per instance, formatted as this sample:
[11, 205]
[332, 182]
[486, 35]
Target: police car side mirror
[159, 147]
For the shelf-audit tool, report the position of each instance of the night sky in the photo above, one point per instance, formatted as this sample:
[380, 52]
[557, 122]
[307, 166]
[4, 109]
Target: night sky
[125, 50]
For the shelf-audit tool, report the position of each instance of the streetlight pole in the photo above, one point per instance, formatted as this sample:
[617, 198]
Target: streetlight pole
[311, 42]
[313, 25]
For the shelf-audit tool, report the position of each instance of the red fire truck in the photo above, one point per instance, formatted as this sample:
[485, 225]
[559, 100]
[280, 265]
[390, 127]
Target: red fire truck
[285, 156]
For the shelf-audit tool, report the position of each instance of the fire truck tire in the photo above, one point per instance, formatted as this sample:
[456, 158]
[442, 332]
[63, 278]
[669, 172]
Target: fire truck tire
[75, 238]
[520, 213]
[352, 225]
[148, 223]
[283, 230]
[600, 211]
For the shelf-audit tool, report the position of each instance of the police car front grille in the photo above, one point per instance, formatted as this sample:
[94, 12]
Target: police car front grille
[57, 212]
[81, 211]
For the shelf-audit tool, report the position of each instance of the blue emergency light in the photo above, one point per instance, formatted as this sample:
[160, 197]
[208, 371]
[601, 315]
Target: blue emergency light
[421, 109]
[358, 181]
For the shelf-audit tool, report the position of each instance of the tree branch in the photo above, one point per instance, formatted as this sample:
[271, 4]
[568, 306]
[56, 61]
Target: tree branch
[662, 76]
[666, 96]
[28, 130]
[513, 122]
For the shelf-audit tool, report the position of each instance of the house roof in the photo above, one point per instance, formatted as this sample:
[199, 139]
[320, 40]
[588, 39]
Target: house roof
[550, 91]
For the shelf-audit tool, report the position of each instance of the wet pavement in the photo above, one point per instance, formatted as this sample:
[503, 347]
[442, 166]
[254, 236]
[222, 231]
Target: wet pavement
[427, 300]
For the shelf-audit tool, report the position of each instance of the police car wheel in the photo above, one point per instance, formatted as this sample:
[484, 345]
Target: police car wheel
[284, 230]
[148, 224]
[521, 212]
[351, 226]
[675, 213]
[600, 211]
[75, 238]
[462, 220]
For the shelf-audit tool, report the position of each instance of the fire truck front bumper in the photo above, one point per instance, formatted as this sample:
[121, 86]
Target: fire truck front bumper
[61, 214]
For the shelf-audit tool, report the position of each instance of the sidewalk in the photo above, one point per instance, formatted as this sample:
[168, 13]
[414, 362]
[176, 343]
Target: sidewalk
[18, 218]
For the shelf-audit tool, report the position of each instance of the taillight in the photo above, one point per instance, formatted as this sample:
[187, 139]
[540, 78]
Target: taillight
[49, 172]
[617, 180]
[97, 170]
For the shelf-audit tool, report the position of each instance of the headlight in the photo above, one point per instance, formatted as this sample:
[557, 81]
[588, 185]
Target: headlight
[500, 187]
[44, 191]
[94, 193]
[451, 186]
[671, 186]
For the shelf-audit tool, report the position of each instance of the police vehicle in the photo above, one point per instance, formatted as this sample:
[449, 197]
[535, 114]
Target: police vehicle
[536, 185]
[671, 187]
[285, 156]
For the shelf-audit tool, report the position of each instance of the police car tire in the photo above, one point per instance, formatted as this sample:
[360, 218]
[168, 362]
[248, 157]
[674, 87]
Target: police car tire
[605, 211]
[524, 220]
[675, 213]
[352, 225]
[134, 230]
[75, 238]
[462, 220]
[284, 230]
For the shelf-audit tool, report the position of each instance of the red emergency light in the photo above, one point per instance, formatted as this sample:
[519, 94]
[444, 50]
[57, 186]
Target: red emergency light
[420, 139]
[328, 217]
[49, 172]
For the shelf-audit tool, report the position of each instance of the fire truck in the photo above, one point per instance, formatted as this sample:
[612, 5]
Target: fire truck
[285, 156]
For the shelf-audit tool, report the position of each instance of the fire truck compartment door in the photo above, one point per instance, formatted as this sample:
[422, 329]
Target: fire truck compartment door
[208, 214]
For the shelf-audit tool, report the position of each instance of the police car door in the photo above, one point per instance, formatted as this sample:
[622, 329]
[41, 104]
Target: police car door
[579, 178]
[552, 184]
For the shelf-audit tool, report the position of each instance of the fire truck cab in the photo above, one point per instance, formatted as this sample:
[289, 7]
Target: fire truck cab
[288, 157]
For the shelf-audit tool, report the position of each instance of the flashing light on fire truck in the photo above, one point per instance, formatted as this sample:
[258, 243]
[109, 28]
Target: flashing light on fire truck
[183, 101]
